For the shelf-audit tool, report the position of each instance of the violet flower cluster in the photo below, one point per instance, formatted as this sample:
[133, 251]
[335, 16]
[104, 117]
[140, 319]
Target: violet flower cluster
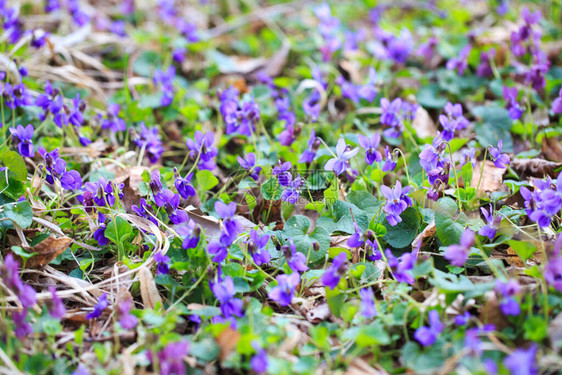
[328, 28]
[427, 335]
[9, 271]
[544, 201]
[56, 170]
[402, 267]
[239, 116]
[230, 230]
[452, 121]
[148, 139]
[201, 148]
[355, 92]
[394, 114]
[165, 82]
[230, 306]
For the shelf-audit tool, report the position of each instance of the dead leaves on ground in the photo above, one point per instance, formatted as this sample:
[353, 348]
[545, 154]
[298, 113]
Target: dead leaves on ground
[492, 178]
[44, 252]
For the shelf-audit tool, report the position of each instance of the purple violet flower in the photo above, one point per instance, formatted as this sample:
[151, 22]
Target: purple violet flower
[311, 148]
[493, 222]
[183, 185]
[249, 164]
[126, 319]
[401, 267]
[500, 160]
[56, 306]
[460, 63]
[191, 234]
[171, 205]
[557, 104]
[295, 259]
[397, 201]
[224, 292]
[282, 171]
[284, 291]
[258, 363]
[340, 163]
[291, 192]
[331, 277]
[171, 358]
[427, 335]
[514, 108]
[22, 136]
[162, 263]
[523, 362]
[112, 121]
[368, 309]
[257, 247]
[202, 146]
[458, 254]
[390, 160]
[99, 307]
[370, 146]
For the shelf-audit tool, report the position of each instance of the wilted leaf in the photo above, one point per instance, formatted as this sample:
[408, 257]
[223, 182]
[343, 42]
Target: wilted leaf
[227, 341]
[47, 250]
[423, 124]
[535, 167]
[149, 292]
[552, 148]
[492, 178]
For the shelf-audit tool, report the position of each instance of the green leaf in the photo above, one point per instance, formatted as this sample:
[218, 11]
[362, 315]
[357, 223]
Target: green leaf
[344, 217]
[206, 180]
[365, 201]
[373, 334]
[335, 300]
[448, 224]
[428, 96]
[15, 164]
[524, 249]
[271, 190]
[296, 228]
[146, 63]
[118, 230]
[423, 361]
[495, 124]
[21, 252]
[20, 213]
[403, 233]
[536, 328]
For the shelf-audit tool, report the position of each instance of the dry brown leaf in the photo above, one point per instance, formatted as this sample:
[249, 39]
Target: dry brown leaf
[423, 124]
[555, 333]
[492, 179]
[360, 367]
[227, 341]
[149, 292]
[132, 176]
[277, 62]
[535, 167]
[421, 239]
[552, 149]
[491, 313]
[46, 251]
[319, 313]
